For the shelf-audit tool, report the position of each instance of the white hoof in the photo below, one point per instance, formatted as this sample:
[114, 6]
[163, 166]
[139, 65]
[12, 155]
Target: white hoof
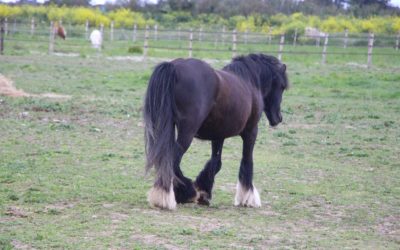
[158, 197]
[247, 197]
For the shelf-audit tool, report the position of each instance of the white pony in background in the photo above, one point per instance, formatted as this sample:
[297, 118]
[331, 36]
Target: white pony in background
[96, 38]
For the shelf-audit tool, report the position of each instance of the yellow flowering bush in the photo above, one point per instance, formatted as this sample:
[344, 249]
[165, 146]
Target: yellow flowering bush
[8, 11]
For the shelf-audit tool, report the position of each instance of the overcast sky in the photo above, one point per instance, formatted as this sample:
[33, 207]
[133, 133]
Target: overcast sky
[393, 2]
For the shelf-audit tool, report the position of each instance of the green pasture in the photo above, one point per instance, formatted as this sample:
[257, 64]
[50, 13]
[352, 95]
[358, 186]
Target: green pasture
[72, 170]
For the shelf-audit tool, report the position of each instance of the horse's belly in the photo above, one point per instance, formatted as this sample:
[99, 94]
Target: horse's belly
[218, 127]
[206, 133]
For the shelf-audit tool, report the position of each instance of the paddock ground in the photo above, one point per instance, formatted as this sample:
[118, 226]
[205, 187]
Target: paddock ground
[71, 169]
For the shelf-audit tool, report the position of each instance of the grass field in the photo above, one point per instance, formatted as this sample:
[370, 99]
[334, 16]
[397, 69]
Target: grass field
[72, 177]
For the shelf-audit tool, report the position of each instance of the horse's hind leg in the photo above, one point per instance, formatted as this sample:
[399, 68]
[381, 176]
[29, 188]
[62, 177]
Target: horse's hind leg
[205, 180]
[181, 189]
[183, 186]
[246, 193]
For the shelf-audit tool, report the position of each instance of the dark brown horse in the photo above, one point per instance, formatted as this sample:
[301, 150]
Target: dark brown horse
[188, 97]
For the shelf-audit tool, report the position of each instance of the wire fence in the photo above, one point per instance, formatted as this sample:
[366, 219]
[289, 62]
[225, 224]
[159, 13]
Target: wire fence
[25, 37]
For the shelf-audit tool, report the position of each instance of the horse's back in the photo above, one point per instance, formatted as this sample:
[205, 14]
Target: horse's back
[216, 104]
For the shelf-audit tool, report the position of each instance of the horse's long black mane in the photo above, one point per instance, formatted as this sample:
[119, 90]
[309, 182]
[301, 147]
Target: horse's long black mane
[259, 69]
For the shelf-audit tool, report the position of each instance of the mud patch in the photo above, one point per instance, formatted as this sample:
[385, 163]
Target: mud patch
[7, 88]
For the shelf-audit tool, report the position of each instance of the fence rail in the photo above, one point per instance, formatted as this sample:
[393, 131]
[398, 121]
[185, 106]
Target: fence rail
[150, 39]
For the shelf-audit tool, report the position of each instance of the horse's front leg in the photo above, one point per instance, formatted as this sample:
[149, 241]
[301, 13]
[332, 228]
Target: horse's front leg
[246, 193]
[205, 180]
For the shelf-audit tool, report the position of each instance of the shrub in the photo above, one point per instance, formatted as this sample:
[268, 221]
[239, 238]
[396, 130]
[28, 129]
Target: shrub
[135, 50]
[57, 13]
[8, 11]
[396, 24]
[126, 18]
[243, 24]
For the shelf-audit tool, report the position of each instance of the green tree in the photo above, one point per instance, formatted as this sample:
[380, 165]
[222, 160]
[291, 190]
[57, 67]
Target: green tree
[70, 2]
[361, 3]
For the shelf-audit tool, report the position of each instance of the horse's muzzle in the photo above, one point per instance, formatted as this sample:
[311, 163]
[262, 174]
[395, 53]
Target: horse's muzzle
[274, 122]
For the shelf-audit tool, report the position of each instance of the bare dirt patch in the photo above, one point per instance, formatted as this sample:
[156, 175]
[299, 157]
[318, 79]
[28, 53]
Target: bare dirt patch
[7, 88]
[58, 207]
[390, 227]
[16, 212]
[154, 240]
[20, 245]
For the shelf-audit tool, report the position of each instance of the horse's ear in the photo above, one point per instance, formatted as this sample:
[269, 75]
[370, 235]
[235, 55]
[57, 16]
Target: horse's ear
[283, 68]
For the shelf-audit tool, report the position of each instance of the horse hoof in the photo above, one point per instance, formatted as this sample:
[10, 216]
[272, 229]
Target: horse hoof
[203, 198]
[185, 191]
[202, 201]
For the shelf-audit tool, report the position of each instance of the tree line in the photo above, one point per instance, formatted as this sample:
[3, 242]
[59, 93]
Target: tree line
[228, 8]
[181, 16]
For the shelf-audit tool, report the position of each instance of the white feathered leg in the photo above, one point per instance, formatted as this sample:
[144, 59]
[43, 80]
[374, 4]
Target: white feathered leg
[158, 197]
[247, 197]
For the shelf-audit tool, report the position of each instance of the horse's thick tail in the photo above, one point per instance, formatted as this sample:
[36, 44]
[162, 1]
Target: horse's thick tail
[159, 109]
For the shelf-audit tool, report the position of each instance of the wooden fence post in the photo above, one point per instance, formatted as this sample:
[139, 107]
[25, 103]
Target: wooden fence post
[2, 22]
[223, 36]
[51, 38]
[146, 42]
[295, 38]
[270, 35]
[112, 31]
[155, 32]
[324, 49]
[346, 38]
[201, 34]
[32, 26]
[190, 43]
[281, 43]
[6, 26]
[370, 46]
[234, 41]
[398, 41]
[134, 32]
[87, 29]
[14, 30]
